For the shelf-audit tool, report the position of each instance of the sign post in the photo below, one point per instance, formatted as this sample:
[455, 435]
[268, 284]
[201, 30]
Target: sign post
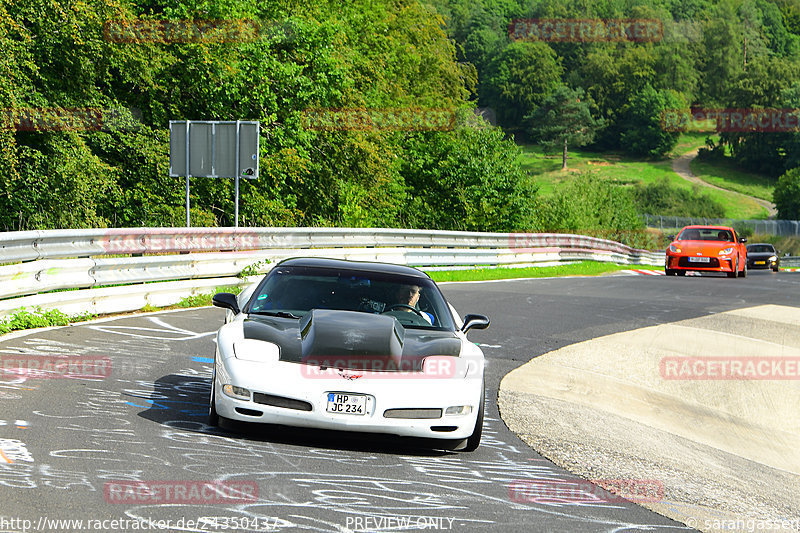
[213, 149]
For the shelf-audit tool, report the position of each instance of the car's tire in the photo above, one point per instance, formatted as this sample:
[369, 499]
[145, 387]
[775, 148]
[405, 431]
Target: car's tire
[743, 273]
[669, 272]
[213, 417]
[474, 440]
[680, 272]
[775, 269]
[735, 270]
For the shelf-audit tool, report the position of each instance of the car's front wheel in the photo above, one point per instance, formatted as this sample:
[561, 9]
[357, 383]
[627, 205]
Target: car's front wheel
[474, 440]
[743, 273]
[735, 271]
[669, 272]
[213, 417]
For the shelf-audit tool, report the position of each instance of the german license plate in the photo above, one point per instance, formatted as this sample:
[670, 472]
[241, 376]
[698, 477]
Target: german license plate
[699, 260]
[761, 262]
[347, 404]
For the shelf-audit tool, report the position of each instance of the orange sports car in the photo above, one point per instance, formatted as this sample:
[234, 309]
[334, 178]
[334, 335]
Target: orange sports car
[707, 249]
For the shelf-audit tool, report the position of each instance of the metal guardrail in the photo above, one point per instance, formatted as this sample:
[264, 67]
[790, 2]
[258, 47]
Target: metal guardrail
[191, 260]
[790, 262]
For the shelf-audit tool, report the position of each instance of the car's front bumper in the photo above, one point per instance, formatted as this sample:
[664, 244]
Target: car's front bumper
[762, 263]
[309, 388]
[714, 264]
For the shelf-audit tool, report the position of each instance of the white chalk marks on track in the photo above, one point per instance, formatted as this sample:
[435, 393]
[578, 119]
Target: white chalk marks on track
[147, 422]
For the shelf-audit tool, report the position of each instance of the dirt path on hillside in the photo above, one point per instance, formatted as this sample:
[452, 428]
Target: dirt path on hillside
[681, 167]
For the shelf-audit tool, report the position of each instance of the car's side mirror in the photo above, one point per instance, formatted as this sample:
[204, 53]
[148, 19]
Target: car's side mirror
[743, 240]
[671, 237]
[226, 300]
[475, 322]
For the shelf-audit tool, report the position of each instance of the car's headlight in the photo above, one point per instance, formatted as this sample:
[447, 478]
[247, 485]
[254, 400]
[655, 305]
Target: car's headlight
[257, 351]
[236, 392]
[773, 258]
[674, 249]
[726, 251]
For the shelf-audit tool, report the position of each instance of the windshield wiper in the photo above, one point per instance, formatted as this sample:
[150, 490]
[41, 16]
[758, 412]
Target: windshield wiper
[280, 314]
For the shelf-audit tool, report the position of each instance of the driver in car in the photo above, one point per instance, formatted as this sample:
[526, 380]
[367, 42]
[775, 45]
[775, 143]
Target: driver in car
[408, 295]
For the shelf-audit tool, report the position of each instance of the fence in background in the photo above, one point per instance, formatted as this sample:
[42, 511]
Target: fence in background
[115, 270]
[783, 228]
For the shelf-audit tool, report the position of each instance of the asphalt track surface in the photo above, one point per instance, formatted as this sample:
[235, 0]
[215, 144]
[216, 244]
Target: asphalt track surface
[68, 441]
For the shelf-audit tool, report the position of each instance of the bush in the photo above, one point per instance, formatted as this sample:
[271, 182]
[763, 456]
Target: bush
[469, 179]
[592, 206]
[663, 198]
[25, 319]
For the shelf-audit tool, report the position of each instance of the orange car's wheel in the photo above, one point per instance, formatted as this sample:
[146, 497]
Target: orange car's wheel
[743, 273]
[735, 270]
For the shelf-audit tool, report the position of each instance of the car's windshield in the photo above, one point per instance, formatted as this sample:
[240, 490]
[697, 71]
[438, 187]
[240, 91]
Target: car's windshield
[761, 248]
[705, 234]
[291, 292]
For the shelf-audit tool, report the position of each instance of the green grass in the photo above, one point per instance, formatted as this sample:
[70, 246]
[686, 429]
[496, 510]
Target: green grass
[723, 174]
[584, 268]
[544, 170]
[39, 318]
[204, 299]
[690, 141]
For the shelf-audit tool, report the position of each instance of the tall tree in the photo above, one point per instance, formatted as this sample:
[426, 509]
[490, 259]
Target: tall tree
[563, 119]
[643, 129]
[787, 195]
[519, 79]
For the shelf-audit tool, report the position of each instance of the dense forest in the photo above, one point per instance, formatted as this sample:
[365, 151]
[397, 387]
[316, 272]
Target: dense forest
[292, 57]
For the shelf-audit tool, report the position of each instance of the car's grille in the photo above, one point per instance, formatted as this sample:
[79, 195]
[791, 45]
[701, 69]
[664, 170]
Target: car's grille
[412, 413]
[684, 262]
[281, 401]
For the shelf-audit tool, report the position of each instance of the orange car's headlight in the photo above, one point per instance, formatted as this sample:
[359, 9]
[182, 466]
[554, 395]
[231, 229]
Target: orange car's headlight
[726, 251]
[674, 249]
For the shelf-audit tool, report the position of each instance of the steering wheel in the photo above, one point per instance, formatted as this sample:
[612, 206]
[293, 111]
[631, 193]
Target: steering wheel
[405, 306]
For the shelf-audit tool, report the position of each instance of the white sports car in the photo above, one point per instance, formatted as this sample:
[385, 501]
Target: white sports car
[355, 346]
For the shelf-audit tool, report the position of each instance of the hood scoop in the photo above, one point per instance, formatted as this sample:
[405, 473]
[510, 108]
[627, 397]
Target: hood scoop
[351, 339]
